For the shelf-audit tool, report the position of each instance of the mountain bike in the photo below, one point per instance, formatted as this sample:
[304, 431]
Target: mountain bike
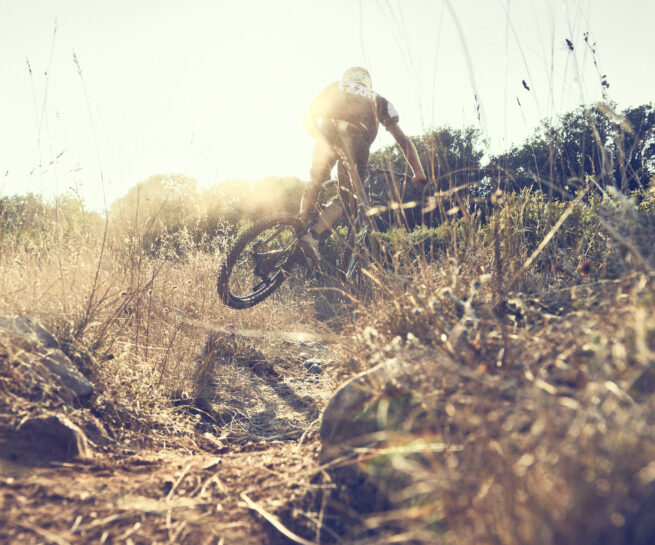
[269, 252]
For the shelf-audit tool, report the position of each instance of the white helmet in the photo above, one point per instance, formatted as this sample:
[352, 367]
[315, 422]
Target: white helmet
[357, 74]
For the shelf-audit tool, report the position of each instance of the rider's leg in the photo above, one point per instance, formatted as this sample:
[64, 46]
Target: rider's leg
[358, 157]
[323, 160]
[308, 201]
[325, 221]
[331, 215]
[351, 171]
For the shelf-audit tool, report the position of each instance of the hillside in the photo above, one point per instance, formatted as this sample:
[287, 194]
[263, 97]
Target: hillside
[491, 380]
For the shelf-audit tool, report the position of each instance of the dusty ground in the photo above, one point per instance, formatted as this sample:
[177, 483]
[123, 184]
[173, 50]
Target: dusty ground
[185, 494]
[201, 485]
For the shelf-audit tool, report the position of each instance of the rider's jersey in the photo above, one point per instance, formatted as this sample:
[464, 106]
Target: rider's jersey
[354, 103]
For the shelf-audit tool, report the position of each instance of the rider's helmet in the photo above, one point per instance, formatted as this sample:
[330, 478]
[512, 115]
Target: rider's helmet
[357, 74]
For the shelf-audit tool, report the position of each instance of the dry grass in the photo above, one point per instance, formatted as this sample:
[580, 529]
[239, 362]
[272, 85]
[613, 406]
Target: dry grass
[145, 319]
[531, 339]
[536, 380]
[143, 327]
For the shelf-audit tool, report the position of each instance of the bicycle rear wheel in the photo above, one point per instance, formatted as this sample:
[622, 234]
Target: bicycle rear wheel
[260, 260]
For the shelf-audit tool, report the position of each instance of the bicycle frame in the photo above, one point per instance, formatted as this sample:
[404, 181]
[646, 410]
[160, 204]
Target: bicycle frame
[360, 222]
[270, 265]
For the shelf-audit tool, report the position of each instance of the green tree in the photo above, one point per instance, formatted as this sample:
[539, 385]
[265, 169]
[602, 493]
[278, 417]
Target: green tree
[452, 160]
[31, 223]
[162, 200]
[615, 149]
[451, 157]
[636, 146]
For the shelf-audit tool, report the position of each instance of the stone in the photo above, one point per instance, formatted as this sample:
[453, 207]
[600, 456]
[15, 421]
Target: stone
[51, 437]
[364, 414]
[351, 414]
[313, 367]
[644, 382]
[29, 329]
[41, 355]
[69, 377]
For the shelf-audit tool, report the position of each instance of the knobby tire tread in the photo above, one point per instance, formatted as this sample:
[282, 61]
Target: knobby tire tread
[223, 283]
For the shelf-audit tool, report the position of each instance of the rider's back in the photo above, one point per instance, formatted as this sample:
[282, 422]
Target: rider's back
[354, 103]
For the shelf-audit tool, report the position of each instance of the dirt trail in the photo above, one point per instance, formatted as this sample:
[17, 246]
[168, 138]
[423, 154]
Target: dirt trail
[180, 488]
[168, 496]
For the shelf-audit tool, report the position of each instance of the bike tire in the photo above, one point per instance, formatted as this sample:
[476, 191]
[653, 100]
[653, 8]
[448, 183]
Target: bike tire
[229, 287]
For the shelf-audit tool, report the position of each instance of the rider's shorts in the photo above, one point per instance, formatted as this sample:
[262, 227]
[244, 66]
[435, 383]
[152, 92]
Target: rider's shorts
[350, 138]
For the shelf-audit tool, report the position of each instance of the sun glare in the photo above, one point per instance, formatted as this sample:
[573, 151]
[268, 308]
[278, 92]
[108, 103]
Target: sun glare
[218, 92]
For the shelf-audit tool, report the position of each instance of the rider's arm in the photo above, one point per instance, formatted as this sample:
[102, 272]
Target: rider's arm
[409, 151]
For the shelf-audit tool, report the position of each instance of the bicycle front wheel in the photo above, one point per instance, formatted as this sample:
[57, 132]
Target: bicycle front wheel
[260, 260]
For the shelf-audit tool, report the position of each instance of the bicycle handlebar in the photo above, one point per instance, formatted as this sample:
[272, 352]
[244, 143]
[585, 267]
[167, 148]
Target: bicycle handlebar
[368, 181]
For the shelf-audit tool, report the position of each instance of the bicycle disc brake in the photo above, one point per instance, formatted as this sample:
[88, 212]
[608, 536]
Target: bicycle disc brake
[273, 261]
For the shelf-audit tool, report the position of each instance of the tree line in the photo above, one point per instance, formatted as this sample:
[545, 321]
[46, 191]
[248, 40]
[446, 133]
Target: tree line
[615, 148]
[592, 143]
[589, 143]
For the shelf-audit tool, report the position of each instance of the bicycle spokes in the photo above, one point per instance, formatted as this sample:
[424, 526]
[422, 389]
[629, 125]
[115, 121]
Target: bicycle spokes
[263, 260]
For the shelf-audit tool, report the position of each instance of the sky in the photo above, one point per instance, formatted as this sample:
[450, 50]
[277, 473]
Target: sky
[98, 95]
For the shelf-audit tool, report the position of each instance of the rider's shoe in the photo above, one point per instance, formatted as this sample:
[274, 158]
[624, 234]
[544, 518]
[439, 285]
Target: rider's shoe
[309, 247]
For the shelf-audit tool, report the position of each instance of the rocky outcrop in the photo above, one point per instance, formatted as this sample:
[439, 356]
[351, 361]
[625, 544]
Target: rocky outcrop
[34, 352]
[368, 403]
[367, 419]
[46, 391]
[50, 437]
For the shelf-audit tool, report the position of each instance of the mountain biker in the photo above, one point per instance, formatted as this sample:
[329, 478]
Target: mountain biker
[350, 113]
